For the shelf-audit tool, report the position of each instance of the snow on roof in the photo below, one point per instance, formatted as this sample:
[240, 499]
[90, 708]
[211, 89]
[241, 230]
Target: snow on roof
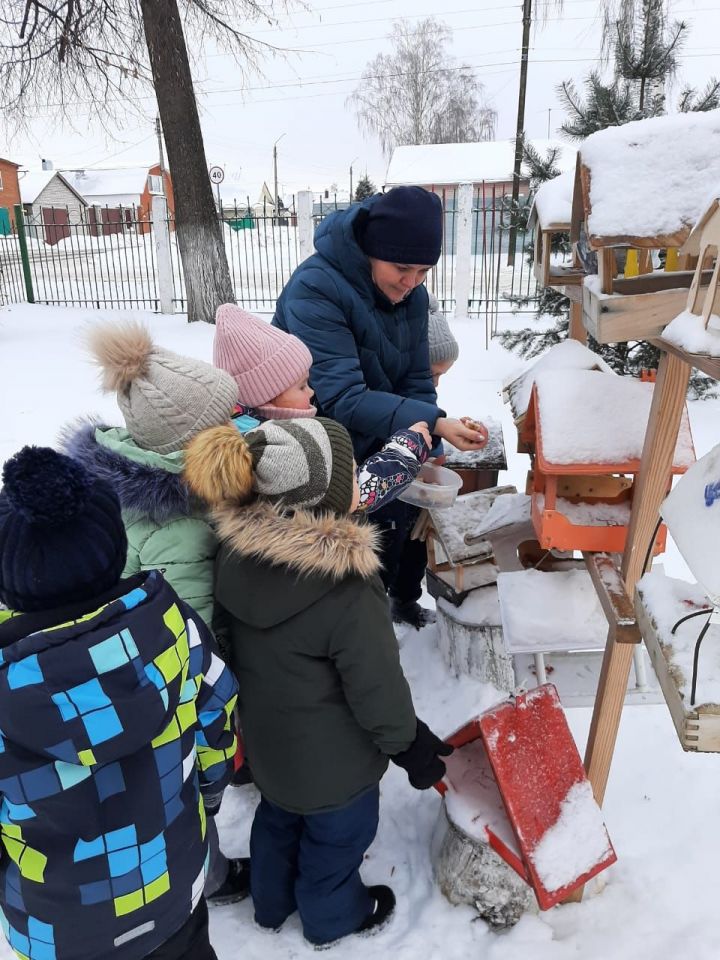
[588, 416]
[651, 178]
[95, 184]
[33, 183]
[553, 200]
[440, 163]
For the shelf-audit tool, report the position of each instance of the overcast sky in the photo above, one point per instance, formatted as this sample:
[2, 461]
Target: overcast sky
[302, 97]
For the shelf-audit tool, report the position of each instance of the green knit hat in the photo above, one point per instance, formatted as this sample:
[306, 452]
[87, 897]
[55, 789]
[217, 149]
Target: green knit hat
[303, 463]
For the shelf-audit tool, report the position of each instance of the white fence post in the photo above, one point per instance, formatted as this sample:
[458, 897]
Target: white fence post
[161, 239]
[463, 249]
[305, 223]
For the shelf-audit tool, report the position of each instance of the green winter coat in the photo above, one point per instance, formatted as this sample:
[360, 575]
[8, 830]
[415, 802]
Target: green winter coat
[323, 699]
[167, 528]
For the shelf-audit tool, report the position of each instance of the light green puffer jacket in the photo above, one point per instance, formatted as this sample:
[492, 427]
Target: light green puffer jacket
[167, 528]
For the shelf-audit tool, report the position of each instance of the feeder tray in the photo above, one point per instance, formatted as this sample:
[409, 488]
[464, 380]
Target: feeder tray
[661, 603]
[586, 505]
[478, 468]
[531, 799]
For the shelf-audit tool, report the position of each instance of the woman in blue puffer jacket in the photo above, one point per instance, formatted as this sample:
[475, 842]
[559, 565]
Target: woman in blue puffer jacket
[360, 306]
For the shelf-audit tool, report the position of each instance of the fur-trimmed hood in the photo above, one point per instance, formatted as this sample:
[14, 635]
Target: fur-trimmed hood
[147, 483]
[308, 544]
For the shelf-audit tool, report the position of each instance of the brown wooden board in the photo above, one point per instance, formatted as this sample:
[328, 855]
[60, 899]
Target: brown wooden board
[618, 319]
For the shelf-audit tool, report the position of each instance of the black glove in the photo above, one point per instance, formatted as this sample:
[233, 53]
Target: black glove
[212, 802]
[422, 760]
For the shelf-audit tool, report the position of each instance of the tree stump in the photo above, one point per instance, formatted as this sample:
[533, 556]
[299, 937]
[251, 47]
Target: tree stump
[469, 871]
[471, 639]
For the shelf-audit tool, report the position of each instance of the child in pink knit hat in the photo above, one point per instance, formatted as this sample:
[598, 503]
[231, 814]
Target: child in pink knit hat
[270, 367]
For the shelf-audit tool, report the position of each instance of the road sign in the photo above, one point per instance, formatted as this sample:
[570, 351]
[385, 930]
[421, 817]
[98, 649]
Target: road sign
[217, 175]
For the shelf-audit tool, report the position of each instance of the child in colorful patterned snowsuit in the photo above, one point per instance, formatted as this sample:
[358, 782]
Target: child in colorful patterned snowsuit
[115, 711]
[166, 399]
[271, 370]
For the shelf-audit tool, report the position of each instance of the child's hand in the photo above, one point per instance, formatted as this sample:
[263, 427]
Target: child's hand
[461, 436]
[424, 430]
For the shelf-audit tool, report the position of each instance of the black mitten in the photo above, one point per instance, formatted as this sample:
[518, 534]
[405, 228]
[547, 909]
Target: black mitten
[422, 760]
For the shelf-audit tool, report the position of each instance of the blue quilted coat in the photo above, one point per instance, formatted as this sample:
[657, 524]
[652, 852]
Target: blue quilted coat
[371, 367]
[111, 724]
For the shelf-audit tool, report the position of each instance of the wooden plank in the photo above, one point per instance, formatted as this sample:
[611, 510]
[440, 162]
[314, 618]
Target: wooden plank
[622, 318]
[602, 486]
[658, 281]
[651, 486]
[577, 215]
[615, 602]
[708, 365]
[659, 241]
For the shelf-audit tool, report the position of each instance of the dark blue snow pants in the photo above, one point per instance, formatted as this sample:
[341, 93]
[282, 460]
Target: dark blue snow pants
[311, 864]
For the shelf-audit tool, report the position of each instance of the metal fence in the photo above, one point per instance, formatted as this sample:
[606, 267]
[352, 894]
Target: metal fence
[111, 260]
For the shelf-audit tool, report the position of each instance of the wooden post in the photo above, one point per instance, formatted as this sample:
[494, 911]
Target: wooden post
[577, 328]
[607, 268]
[651, 487]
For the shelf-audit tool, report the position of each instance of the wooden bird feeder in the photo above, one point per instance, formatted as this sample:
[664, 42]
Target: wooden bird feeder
[550, 219]
[620, 218]
[522, 789]
[587, 430]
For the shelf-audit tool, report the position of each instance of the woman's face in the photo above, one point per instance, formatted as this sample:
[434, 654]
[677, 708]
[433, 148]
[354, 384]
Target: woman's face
[397, 280]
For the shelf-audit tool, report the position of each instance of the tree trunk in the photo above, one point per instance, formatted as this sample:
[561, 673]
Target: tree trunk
[199, 233]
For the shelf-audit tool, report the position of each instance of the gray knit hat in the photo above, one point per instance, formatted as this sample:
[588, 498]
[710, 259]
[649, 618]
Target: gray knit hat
[443, 345]
[303, 463]
[165, 399]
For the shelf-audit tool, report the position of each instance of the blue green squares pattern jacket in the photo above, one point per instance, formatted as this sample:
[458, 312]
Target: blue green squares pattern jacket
[111, 727]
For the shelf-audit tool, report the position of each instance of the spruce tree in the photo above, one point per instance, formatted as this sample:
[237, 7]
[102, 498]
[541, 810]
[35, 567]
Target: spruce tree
[365, 188]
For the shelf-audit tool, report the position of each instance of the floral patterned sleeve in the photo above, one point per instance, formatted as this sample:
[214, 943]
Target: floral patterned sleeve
[386, 474]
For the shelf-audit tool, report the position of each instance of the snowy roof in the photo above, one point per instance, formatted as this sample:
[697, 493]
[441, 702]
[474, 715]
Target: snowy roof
[440, 163]
[553, 201]
[121, 182]
[650, 179]
[710, 208]
[34, 182]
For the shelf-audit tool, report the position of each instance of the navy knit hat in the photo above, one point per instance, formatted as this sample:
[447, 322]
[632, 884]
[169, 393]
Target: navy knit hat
[62, 538]
[404, 226]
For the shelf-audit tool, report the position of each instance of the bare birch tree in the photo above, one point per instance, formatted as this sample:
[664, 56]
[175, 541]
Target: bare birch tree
[97, 55]
[419, 94]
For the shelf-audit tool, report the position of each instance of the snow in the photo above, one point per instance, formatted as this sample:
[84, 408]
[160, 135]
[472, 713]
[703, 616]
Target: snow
[553, 200]
[689, 332]
[575, 843]
[122, 185]
[473, 800]
[33, 183]
[667, 599]
[436, 164]
[593, 417]
[590, 514]
[490, 457]
[480, 608]
[544, 612]
[661, 803]
[568, 354]
[463, 520]
[652, 177]
[692, 514]
[509, 509]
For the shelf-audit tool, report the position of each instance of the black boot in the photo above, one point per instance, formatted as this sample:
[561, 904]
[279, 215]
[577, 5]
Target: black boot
[411, 613]
[384, 907]
[235, 886]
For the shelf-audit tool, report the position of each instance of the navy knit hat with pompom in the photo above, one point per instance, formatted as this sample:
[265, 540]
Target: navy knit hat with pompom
[62, 538]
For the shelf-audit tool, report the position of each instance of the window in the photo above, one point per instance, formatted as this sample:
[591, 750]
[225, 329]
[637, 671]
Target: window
[1, 183]
[155, 183]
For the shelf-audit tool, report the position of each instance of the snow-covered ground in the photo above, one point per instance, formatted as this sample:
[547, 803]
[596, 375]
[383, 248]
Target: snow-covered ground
[659, 901]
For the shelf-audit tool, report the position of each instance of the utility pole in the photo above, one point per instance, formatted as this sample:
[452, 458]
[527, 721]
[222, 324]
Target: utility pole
[351, 178]
[520, 132]
[275, 172]
[158, 131]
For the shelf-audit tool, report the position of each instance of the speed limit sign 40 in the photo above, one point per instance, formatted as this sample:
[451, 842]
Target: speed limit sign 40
[217, 174]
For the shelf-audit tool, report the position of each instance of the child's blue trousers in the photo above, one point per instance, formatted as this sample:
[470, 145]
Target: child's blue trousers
[311, 864]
